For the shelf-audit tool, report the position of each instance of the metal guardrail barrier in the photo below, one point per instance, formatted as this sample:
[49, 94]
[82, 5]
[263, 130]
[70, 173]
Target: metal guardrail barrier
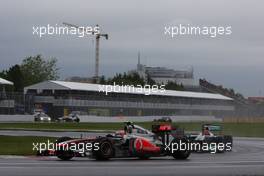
[7, 103]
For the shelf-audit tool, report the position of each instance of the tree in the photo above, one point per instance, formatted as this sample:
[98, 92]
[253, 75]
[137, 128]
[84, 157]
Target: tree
[127, 79]
[174, 86]
[36, 69]
[3, 74]
[102, 80]
[15, 75]
[150, 81]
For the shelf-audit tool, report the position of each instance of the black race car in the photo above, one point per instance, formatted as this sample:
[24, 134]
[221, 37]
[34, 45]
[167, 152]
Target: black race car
[211, 139]
[132, 141]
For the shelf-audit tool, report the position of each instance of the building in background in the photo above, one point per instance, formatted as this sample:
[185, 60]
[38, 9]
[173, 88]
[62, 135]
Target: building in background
[163, 75]
[58, 98]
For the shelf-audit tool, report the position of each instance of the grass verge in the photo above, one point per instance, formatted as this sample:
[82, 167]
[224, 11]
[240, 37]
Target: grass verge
[235, 129]
[20, 145]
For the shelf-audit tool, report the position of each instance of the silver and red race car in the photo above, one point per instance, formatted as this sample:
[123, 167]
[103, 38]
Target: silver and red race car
[132, 141]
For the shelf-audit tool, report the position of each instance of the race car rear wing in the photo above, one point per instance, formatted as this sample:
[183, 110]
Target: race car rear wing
[164, 130]
[161, 128]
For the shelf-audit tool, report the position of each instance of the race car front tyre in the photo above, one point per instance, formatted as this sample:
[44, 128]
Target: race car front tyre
[64, 154]
[180, 154]
[105, 150]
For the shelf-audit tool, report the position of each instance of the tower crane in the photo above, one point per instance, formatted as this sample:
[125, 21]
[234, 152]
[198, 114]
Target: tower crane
[97, 41]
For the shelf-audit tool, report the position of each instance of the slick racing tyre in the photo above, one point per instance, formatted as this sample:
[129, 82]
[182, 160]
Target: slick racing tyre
[180, 154]
[64, 154]
[105, 150]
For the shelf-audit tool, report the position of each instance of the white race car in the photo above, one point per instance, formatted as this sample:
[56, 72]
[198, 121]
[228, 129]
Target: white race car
[73, 117]
[41, 117]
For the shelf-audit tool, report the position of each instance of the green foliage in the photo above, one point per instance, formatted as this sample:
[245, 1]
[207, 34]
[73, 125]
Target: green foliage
[15, 75]
[33, 69]
[102, 80]
[21, 145]
[236, 129]
[36, 69]
[150, 81]
[174, 86]
[3, 74]
[127, 79]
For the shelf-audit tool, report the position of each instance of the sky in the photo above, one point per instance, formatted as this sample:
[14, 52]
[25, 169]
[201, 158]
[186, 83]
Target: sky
[235, 61]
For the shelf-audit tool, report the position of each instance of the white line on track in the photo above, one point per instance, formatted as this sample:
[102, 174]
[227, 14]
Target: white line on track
[105, 167]
[187, 162]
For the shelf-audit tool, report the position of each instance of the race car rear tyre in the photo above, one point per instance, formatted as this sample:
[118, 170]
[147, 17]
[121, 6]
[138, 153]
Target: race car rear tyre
[180, 154]
[64, 154]
[105, 150]
[219, 140]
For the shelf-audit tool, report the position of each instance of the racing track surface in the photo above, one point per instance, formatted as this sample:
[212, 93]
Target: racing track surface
[246, 159]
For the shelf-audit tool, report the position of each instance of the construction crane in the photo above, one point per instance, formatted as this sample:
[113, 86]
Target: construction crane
[97, 39]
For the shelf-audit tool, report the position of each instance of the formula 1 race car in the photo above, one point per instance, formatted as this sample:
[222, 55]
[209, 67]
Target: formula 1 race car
[132, 141]
[72, 117]
[41, 117]
[212, 138]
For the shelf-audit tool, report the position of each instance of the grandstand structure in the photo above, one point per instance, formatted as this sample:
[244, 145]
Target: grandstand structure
[7, 104]
[58, 98]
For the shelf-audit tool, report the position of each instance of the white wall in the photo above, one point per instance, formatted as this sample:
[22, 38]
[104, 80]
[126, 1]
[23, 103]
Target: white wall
[146, 118]
[16, 118]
